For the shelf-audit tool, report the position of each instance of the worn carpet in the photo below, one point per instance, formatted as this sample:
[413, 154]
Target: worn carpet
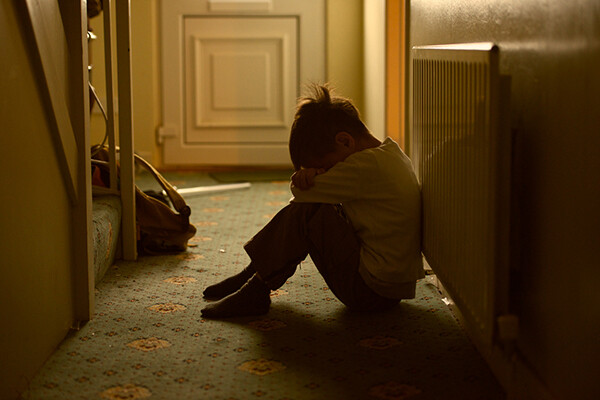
[148, 339]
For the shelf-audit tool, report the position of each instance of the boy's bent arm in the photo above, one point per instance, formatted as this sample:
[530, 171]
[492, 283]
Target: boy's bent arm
[339, 184]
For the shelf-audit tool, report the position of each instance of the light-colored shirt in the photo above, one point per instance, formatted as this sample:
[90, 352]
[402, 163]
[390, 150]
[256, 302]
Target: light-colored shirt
[380, 195]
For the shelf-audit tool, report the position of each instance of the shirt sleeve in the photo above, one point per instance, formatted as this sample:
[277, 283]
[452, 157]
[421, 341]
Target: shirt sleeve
[339, 184]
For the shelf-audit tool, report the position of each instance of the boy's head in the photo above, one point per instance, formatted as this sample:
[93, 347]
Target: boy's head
[318, 121]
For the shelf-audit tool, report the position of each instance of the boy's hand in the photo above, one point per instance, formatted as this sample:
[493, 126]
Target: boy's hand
[304, 178]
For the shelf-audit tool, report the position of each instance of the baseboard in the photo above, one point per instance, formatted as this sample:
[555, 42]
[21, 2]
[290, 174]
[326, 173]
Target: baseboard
[515, 375]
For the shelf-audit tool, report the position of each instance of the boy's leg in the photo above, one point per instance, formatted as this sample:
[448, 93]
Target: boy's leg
[229, 285]
[253, 298]
[322, 231]
[282, 238]
[335, 250]
[275, 251]
[278, 248]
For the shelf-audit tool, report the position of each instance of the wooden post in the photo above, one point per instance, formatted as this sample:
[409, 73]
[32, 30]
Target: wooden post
[128, 224]
[75, 25]
[110, 91]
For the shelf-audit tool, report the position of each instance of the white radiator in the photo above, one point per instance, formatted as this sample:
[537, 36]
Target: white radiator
[461, 155]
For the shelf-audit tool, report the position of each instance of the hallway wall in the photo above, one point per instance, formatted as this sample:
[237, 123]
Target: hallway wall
[36, 292]
[551, 50]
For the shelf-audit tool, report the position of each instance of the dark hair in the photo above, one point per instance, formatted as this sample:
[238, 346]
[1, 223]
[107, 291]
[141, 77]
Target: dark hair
[317, 121]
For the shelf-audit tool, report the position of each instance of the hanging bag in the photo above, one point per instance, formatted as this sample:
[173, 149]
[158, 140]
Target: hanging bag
[161, 230]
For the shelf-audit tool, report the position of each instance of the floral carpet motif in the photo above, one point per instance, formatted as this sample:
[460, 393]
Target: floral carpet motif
[148, 339]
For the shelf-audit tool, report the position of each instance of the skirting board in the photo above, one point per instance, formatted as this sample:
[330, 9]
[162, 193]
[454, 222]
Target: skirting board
[513, 372]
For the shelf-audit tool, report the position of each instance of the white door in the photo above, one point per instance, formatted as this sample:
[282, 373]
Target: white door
[232, 72]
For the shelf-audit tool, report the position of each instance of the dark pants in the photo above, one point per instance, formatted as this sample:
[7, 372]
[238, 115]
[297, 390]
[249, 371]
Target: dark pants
[322, 231]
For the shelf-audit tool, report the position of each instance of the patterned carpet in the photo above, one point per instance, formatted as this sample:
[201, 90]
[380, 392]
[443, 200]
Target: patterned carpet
[148, 339]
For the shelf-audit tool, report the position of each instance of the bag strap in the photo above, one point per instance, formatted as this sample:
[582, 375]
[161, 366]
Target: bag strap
[178, 201]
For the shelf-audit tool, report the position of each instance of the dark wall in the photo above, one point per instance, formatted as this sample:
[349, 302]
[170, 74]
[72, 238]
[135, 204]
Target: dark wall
[551, 50]
[36, 247]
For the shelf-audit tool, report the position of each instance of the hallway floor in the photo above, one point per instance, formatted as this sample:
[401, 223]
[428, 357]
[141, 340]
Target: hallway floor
[148, 339]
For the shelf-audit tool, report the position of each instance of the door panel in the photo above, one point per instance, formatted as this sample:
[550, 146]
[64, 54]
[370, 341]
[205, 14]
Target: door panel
[231, 77]
[242, 79]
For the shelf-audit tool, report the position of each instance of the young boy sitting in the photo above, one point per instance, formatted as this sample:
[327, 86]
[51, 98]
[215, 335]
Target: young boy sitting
[356, 210]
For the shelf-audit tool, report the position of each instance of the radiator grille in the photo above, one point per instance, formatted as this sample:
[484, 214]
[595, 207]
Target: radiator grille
[461, 154]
